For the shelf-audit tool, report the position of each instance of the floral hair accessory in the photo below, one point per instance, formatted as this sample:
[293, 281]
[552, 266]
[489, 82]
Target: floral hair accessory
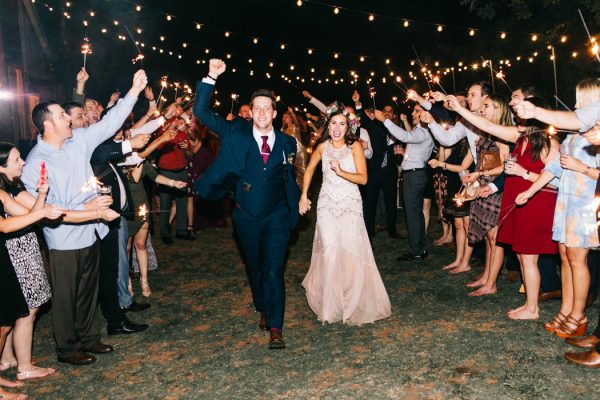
[336, 107]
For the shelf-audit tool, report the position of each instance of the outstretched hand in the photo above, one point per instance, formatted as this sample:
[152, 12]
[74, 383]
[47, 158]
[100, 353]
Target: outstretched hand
[524, 109]
[82, 76]
[140, 81]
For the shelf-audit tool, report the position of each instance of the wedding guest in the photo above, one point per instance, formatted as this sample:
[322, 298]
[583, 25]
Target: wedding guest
[13, 304]
[484, 212]
[575, 214]
[74, 248]
[419, 145]
[532, 153]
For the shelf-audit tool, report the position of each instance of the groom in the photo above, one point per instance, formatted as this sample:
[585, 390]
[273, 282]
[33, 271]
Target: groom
[258, 160]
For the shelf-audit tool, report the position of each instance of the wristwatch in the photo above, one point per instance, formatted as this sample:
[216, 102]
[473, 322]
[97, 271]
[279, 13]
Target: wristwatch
[526, 176]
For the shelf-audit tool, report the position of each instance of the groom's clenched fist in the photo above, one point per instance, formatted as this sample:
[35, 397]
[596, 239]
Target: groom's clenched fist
[216, 67]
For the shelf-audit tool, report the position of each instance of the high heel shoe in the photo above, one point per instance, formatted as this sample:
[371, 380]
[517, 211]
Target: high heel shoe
[551, 326]
[572, 327]
[146, 292]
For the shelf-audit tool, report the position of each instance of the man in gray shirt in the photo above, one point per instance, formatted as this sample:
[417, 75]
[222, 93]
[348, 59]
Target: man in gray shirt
[419, 145]
[74, 248]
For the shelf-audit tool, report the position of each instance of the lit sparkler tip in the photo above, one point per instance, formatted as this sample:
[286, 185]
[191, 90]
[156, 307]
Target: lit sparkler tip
[551, 130]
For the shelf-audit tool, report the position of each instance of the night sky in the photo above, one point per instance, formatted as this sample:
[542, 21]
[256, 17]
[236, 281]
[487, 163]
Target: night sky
[314, 26]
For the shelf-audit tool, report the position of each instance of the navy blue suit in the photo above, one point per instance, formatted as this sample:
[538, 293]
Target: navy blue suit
[266, 198]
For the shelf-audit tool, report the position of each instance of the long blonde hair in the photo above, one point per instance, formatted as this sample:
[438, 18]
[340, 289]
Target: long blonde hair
[503, 112]
[587, 92]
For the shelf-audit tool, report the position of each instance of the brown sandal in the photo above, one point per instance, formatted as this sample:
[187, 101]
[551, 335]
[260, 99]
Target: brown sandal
[555, 323]
[572, 327]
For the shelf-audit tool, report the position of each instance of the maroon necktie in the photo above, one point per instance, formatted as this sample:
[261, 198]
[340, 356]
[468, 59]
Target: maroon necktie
[265, 150]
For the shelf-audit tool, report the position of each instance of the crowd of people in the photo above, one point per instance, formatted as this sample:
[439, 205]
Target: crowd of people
[514, 183]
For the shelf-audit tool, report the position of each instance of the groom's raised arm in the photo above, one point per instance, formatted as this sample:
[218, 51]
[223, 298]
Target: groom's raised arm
[204, 91]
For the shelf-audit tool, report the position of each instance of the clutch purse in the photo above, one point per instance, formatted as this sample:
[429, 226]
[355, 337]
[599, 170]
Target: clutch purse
[489, 159]
[466, 193]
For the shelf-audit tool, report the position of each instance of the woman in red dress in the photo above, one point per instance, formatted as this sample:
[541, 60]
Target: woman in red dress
[528, 228]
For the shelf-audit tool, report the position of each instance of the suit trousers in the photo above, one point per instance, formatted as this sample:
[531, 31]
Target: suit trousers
[166, 196]
[74, 279]
[385, 180]
[125, 298]
[413, 190]
[109, 272]
[264, 244]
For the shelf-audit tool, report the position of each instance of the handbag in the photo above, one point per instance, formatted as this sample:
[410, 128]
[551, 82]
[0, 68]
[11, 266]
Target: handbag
[489, 159]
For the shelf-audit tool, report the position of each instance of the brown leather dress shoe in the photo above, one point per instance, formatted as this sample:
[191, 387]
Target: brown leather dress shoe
[276, 339]
[545, 296]
[586, 342]
[590, 359]
[262, 324]
[79, 358]
[99, 348]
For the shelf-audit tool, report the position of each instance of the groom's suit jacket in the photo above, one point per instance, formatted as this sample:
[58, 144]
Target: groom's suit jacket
[260, 189]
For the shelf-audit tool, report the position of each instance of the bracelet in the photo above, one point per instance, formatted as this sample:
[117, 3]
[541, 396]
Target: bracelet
[444, 165]
[587, 169]
[214, 79]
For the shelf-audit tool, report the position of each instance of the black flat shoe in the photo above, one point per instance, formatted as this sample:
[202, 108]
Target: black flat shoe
[135, 307]
[126, 327]
[413, 257]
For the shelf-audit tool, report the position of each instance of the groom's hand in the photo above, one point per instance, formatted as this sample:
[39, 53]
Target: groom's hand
[216, 67]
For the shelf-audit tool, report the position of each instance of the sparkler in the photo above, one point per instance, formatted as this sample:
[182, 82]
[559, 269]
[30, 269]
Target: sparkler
[562, 103]
[423, 68]
[234, 98]
[499, 74]
[595, 45]
[86, 48]
[372, 93]
[176, 84]
[163, 85]
[140, 56]
[436, 80]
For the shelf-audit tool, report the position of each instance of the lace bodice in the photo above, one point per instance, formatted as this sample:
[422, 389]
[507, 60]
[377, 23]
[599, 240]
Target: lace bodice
[337, 194]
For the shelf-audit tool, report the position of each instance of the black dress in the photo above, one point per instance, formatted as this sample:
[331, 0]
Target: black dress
[12, 302]
[453, 185]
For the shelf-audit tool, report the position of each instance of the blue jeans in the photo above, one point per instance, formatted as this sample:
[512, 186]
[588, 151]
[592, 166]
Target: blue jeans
[125, 298]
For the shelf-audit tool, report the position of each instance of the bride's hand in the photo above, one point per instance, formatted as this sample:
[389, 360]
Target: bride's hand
[335, 166]
[304, 204]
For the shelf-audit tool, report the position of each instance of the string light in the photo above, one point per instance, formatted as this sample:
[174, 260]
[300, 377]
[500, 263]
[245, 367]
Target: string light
[299, 3]
[563, 39]
[405, 23]
[255, 41]
[198, 26]
[472, 32]
[282, 47]
[440, 28]
[371, 17]
[534, 37]
[169, 17]
[336, 55]
[309, 51]
[138, 8]
[503, 35]
[336, 10]
[227, 34]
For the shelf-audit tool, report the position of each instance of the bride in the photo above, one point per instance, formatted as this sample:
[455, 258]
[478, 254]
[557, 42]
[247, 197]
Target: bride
[343, 283]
